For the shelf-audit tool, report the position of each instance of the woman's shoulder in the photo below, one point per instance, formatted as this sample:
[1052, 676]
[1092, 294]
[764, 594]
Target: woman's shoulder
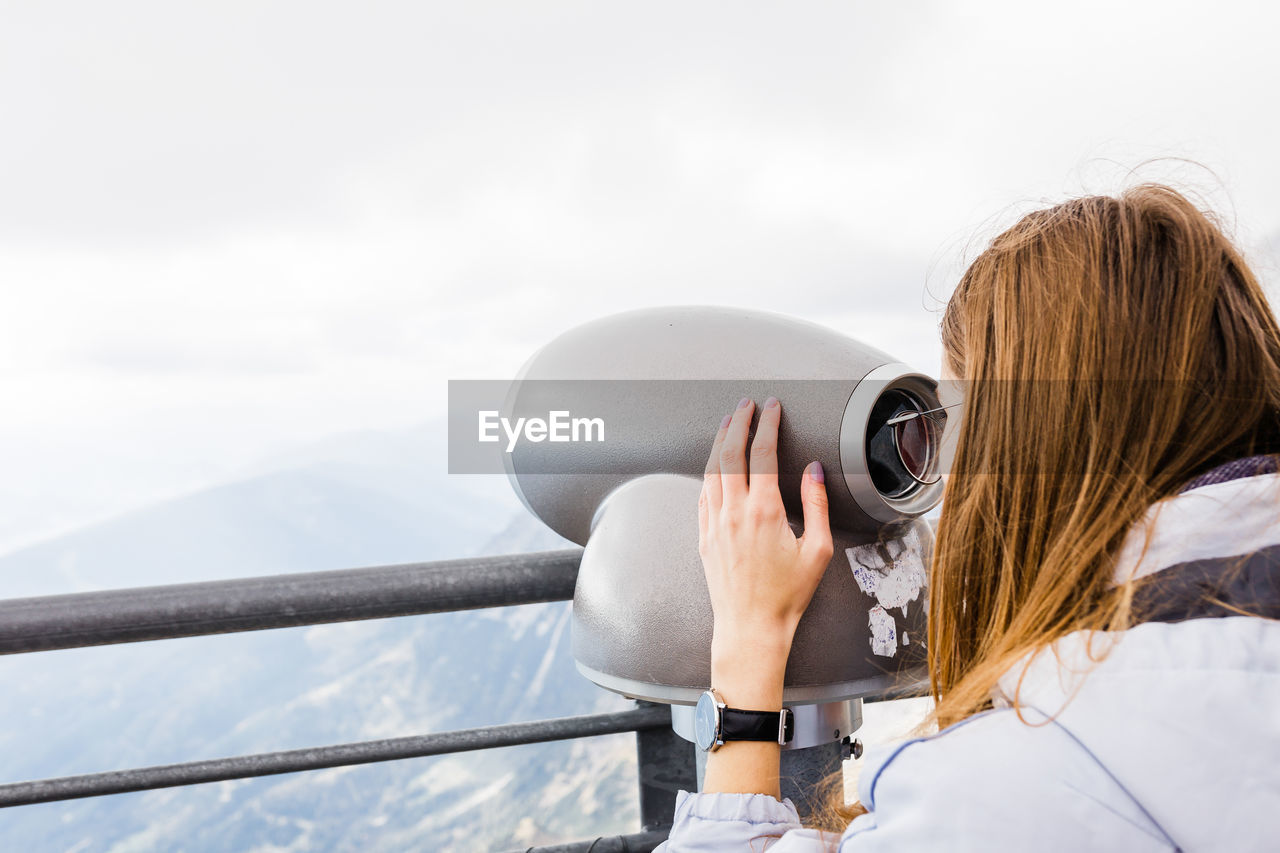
[1099, 747]
[1002, 779]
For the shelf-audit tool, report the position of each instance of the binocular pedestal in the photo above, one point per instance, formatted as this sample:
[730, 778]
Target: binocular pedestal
[822, 740]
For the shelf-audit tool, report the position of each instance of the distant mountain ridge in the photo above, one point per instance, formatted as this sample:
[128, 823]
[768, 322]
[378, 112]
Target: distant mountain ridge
[369, 501]
[366, 501]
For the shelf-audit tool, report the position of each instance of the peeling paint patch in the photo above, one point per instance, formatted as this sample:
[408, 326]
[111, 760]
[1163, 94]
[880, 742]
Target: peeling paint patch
[893, 570]
[884, 640]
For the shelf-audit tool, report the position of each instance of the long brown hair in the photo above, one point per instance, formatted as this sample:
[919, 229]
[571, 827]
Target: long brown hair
[1111, 349]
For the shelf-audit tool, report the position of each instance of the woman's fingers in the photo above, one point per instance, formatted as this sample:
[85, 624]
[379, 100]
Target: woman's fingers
[815, 544]
[764, 452]
[733, 454]
[711, 474]
[703, 511]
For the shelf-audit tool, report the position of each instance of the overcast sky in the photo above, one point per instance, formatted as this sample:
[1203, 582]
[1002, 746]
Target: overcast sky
[227, 229]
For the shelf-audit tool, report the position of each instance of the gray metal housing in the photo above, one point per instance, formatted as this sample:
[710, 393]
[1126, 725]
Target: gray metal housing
[642, 617]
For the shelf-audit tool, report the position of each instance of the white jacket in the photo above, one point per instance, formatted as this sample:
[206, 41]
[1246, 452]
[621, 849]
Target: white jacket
[1172, 742]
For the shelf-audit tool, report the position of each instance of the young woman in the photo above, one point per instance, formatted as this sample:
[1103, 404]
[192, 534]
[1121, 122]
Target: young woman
[1104, 649]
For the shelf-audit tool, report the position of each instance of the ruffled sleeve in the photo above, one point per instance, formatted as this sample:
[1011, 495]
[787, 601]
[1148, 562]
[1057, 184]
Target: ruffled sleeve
[720, 823]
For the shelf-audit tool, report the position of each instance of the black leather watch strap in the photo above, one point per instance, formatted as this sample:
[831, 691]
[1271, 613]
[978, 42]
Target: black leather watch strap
[737, 724]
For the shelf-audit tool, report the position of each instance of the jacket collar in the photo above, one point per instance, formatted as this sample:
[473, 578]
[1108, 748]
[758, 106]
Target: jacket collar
[1229, 511]
[1249, 466]
[1212, 550]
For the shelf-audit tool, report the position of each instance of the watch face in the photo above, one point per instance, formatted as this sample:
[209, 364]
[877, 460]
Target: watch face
[704, 722]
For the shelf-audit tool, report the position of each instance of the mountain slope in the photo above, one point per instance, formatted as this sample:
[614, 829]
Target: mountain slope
[85, 710]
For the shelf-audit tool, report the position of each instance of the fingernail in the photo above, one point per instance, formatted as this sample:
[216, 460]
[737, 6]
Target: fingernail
[815, 471]
[771, 402]
[724, 423]
[742, 404]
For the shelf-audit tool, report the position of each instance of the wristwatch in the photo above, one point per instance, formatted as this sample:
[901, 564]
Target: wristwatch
[714, 723]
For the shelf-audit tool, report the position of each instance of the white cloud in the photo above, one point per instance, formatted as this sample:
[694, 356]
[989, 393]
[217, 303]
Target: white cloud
[229, 228]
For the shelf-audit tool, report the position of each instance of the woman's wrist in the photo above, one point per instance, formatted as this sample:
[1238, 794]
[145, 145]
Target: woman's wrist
[749, 671]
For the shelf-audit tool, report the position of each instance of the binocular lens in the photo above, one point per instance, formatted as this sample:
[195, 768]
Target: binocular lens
[903, 455]
[913, 446]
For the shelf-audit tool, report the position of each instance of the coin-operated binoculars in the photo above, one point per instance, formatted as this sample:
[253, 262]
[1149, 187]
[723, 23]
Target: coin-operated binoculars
[637, 398]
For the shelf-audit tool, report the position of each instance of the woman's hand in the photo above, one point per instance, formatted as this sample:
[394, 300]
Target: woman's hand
[760, 575]
[761, 578]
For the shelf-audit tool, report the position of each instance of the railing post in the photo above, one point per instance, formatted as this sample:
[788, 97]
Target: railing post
[666, 764]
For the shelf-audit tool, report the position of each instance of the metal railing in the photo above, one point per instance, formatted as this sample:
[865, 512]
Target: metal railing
[284, 601]
[320, 757]
[665, 761]
[45, 623]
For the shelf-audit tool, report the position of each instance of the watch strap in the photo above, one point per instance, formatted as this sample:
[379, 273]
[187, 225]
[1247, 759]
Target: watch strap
[737, 724]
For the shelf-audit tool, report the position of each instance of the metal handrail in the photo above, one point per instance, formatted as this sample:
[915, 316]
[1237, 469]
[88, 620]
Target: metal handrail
[284, 601]
[316, 758]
